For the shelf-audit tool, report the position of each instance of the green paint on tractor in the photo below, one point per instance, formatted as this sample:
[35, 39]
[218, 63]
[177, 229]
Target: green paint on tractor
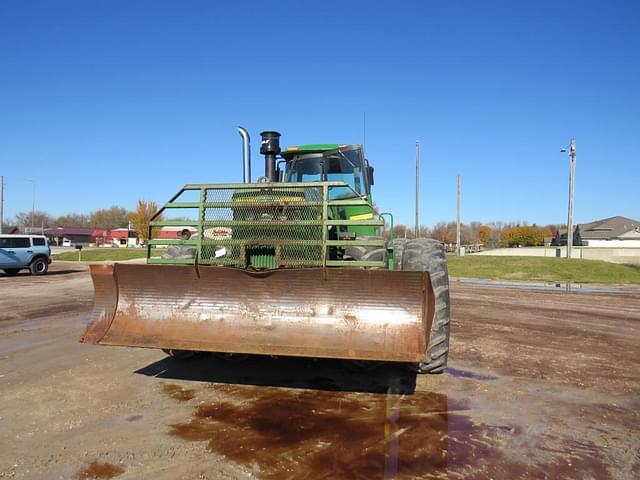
[309, 214]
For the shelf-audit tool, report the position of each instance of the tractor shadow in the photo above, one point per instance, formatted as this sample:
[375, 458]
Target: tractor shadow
[289, 372]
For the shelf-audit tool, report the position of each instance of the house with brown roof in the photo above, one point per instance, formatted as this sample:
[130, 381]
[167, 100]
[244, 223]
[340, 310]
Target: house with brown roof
[10, 229]
[78, 235]
[609, 232]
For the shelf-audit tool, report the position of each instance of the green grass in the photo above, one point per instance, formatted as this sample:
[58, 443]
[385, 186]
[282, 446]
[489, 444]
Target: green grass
[101, 254]
[476, 266]
[542, 269]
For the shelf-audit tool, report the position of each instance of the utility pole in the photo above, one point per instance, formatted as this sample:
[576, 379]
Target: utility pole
[1, 203]
[417, 188]
[458, 217]
[572, 176]
[33, 205]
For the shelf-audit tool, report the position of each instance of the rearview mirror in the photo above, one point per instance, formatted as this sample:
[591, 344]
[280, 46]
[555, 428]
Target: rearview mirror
[370, 174]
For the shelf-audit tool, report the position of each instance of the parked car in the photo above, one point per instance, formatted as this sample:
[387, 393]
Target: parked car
[18, 252]
[67, 243]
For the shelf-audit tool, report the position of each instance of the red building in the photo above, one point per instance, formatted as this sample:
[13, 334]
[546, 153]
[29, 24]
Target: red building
[100, 237]
[173, 232]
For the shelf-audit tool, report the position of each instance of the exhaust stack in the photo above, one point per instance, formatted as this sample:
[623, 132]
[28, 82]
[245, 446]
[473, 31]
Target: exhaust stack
[246, 154]
[270, 147]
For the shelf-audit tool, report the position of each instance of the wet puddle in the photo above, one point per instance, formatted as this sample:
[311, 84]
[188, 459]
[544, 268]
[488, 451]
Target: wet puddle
[177, 392]
[99, 470]
[454, 372]
[286, 433]
[327, 434]
[544, 286]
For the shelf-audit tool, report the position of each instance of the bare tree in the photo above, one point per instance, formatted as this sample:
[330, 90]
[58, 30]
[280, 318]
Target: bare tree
[73, 220]
[40, 219]
[444, 232]
[114, 217]
[402, 231]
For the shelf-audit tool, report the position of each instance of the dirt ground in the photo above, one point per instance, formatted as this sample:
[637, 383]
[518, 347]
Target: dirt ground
[541, 384]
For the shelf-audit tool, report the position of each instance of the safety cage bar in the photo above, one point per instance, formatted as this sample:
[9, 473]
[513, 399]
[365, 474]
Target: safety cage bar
[264, 225]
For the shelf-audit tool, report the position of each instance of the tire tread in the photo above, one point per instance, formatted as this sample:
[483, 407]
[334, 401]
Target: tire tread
[428, 255]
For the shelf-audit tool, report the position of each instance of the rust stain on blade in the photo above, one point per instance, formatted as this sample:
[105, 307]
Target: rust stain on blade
[333, 313]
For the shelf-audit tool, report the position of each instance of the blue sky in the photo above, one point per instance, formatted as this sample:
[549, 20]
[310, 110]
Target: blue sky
[103, 102]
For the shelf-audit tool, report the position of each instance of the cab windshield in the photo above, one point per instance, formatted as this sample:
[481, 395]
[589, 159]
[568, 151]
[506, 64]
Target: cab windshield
[333, 166]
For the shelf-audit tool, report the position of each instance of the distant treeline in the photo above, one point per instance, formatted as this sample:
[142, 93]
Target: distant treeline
[491, 235]
[108, 218]
[113, 217]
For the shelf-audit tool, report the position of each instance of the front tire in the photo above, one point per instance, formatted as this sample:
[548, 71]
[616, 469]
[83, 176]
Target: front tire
[427, 255]
[39, 266]
[367, 254]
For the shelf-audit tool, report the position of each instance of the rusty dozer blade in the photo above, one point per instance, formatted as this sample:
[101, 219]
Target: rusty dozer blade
[314, 312]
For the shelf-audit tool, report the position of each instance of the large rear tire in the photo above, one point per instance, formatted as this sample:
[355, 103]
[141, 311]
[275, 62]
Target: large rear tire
[427, 255]
[398, 251]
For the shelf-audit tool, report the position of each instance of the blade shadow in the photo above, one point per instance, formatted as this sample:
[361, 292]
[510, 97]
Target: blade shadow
[290, 372]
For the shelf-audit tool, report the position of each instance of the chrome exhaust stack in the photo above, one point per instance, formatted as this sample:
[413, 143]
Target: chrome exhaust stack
[246, 154]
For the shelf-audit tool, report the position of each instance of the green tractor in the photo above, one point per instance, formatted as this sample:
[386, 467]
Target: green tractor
[298, 263]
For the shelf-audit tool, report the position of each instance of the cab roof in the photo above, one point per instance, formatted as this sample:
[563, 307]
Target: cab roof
[289, 152]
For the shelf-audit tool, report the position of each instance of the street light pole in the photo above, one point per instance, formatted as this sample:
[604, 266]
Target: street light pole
[572, 175]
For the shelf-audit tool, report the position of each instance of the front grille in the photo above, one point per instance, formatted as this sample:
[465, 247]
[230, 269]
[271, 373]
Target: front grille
[246, 225]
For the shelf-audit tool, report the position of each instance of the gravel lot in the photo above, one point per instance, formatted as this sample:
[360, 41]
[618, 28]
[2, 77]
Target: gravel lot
[542, 384]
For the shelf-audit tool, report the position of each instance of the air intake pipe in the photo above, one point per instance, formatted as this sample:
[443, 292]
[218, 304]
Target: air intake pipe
[270, 147]
[246, 154]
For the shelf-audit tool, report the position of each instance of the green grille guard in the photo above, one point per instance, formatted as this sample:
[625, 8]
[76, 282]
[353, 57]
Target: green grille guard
[265, 225]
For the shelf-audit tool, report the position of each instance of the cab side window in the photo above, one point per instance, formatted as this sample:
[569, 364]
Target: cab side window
[39, 242]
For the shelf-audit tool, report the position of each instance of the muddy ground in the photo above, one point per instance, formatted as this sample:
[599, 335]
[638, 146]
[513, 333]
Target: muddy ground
[540, 385]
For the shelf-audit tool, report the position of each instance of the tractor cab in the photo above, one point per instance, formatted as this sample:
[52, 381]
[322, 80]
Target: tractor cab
[335, 163]
[330, 163]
